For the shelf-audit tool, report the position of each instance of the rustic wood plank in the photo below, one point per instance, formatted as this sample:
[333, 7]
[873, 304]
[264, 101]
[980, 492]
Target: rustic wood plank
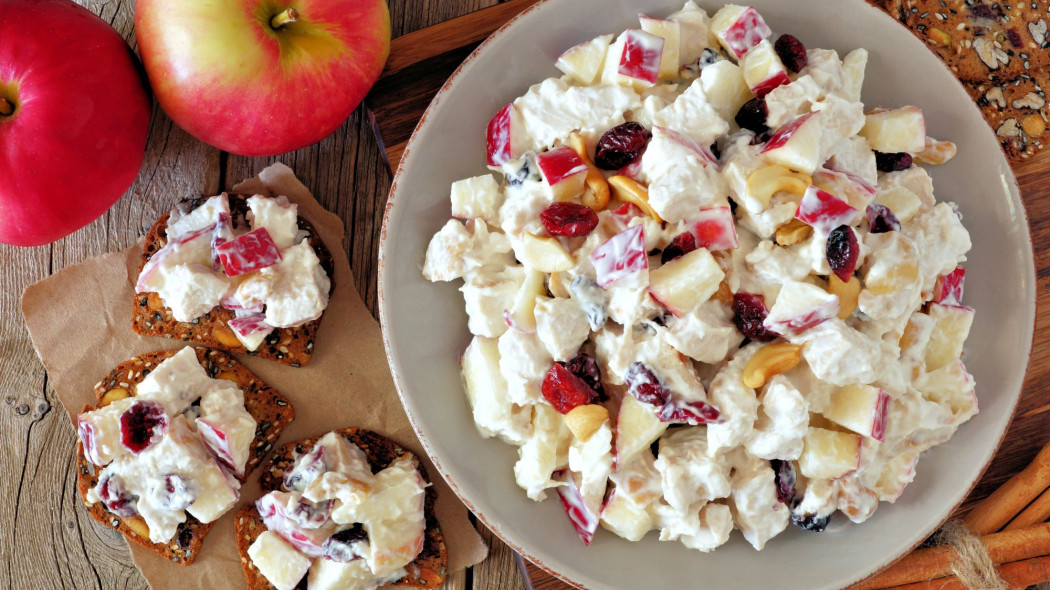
[501, 569]
[51, 542]
[419, 64]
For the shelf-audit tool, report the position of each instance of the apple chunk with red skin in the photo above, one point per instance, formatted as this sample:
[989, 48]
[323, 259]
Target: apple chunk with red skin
[824, 211]
[739, 29]
[259, 78]
[582, 517]
[639, 60]
[715, 229]
[682, 284]
[564, 172]
[763, 70]
[620, 256]
[228, 440]
[796, 145]
[799, 307]
[74, 113]
[861, 408]
[949, 288]
[505, 136]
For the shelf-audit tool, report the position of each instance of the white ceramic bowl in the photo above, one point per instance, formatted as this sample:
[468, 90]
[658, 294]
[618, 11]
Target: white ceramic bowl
[424, 324]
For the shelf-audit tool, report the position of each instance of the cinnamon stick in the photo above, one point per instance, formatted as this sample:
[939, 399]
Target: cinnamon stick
[935, 562]
[1011, 498]
[1037, 511]
[1018, 574]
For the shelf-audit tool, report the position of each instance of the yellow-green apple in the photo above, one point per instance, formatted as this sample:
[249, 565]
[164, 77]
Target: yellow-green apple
[74, 112]
[262, 77]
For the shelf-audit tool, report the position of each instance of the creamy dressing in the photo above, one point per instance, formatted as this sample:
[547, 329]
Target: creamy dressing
[618, 304]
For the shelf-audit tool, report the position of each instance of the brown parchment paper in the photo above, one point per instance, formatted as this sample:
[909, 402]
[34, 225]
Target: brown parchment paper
[80, 322]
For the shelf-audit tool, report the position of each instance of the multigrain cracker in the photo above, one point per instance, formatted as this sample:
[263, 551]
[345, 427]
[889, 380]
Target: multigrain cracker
[429, 568]
[272, 413]
[150, 317]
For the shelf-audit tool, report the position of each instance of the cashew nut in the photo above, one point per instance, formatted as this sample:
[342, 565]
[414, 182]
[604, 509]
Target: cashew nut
[113, 395]
[793, 232]
[630, 191]
[597, 195]
[936, 152]
[766, 181]
[585, 420]
[846, 292]
[138, 526]
[771, 359]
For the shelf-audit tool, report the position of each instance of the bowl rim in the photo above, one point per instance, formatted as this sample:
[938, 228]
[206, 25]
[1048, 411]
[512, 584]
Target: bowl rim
[1010, 178]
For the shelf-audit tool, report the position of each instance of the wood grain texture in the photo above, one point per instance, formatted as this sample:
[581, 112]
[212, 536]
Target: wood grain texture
[49, 542]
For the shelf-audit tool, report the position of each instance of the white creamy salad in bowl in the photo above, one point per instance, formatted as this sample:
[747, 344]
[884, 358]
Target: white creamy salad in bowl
[710, 288]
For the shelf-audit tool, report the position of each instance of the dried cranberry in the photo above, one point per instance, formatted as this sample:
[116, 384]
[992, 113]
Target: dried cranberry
[680, 245]
[881, 219]
[784, 478]
[645, 385]
[307, 468]
[141, 425]
[749, 311]
[565, 391]
[1015, 38]
[569, 219]
[752, 116]
[179, 492]
[894, 162]
[344, 545]
[116, 498]
[808, 522]
[842, 251]
[694, 413]
[310, 515]
[792, 52]
[585, 367]
[621, 145]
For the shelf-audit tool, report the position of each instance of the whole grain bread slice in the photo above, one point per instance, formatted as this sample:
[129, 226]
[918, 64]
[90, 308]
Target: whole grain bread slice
[272, 413]
[150, 317]
[429, 568]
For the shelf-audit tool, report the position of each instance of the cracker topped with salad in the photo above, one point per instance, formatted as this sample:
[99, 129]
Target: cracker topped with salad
[240, 273]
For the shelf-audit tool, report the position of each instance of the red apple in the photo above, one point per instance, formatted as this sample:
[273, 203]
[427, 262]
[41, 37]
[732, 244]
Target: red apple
[74, 112]
[259, 78]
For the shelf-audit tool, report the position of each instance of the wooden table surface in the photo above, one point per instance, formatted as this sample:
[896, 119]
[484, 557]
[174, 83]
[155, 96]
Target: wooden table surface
[48, 541]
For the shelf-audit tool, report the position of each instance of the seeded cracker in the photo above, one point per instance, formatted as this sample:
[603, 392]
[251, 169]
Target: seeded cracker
[429, 568]
[270, 409]
[1001, 53]
[149, 316]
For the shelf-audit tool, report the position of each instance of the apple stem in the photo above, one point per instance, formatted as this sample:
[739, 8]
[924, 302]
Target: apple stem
[285, 17]
[6, 108]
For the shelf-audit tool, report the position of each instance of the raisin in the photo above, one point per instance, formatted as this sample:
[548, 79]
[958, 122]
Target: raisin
[752, 116]
[749, 311]
[585, 367]
[809, 522]
[792, 52]
[569, 219]
[621, 145]
[842, 250]
[881, 219]
[894, 162]
[784, 478]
